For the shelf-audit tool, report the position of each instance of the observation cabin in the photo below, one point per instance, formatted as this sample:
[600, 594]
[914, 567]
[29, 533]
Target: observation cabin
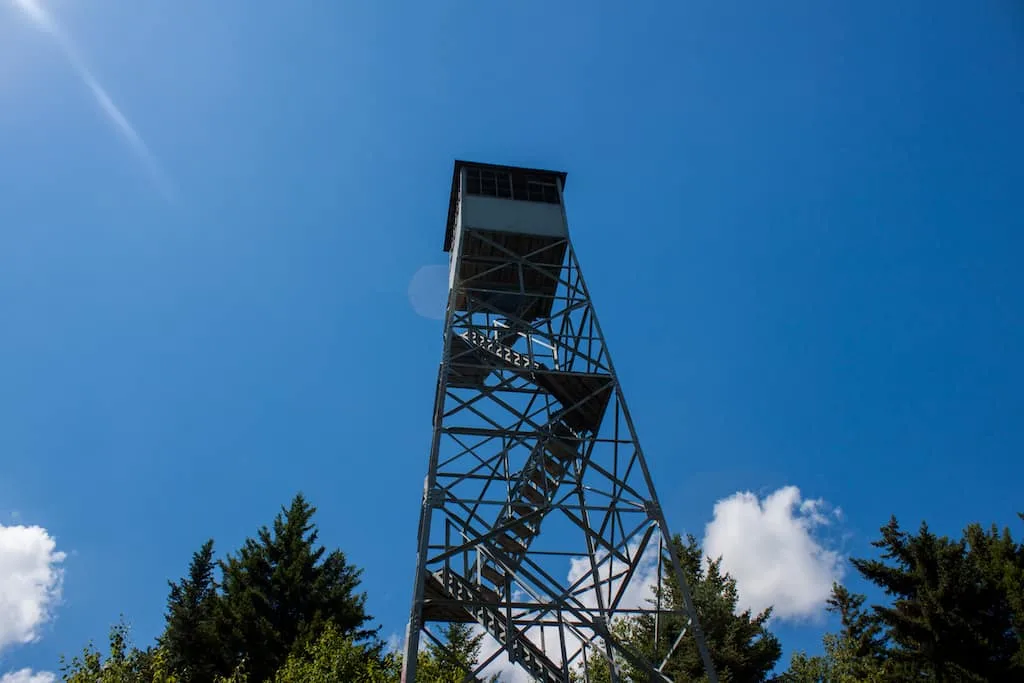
[507, 236]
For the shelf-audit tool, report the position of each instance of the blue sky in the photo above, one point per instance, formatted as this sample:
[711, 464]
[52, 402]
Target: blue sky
[800, 223]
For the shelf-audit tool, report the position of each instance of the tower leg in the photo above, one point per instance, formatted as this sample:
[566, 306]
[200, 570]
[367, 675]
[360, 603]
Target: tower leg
[659, 516]
[412, 631]
[691, 610]
[415, 625]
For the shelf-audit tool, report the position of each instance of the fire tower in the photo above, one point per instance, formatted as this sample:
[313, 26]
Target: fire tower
[538, 507]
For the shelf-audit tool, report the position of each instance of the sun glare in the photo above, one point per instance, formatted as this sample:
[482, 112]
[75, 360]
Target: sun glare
[44, 21]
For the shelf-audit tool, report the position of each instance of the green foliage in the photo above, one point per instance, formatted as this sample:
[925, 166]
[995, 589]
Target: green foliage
[452, 662]
[124, 663]
[286, 610]
[861, 633]
[856, 654]
[804, 669]
[190, 638]
[956, 612]
[238, 675]
[460, 653]
[279, 592]
[430, 670]
[953, 610]
[839, 664]
[741, 646]
[281, 598]
[335, 657]
[596, 667]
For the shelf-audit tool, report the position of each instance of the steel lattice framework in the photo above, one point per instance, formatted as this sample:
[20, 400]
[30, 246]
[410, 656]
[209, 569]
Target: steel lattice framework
[538, 508]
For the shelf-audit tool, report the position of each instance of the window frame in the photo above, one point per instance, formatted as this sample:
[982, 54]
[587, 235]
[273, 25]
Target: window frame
[513, 184]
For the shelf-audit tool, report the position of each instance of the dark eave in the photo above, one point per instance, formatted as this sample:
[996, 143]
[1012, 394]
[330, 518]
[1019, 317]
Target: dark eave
[449, 233]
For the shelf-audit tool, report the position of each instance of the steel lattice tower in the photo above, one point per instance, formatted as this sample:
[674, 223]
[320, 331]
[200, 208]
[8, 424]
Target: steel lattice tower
[538, 507]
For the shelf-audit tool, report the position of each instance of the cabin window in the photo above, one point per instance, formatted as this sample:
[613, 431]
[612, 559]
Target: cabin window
[511, 185]
[540, 191]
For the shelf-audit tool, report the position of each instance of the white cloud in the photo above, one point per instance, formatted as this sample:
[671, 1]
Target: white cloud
[769, 546]
[45, 22]
[500, 666]
[28, 676]
[30, 583]
[640, 586]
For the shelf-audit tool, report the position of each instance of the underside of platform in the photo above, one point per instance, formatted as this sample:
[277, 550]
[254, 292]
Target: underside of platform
[513, 273]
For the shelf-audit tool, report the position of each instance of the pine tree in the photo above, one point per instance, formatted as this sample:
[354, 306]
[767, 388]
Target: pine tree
[190, 639]
[281, 590]
[857, 654]
[952, 615]
[999, 563]
[741, 646]
[956, 613]
[456, 658]
[861, 633]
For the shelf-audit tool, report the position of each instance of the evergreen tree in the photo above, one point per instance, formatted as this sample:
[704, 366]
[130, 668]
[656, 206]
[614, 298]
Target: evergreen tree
[861, 637]
[839, 664]
[999, 563]
[190, 639]
[280, 591]
[857, 654]
[741, 646]
[453, 662]
[956, 612]
[461, 650]
[952, 615]
[286, 611]
[596, 668]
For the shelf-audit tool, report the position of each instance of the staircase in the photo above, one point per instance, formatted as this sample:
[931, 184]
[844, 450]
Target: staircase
[583, 399]
[534, 491]
[523, 651]
[547, 465]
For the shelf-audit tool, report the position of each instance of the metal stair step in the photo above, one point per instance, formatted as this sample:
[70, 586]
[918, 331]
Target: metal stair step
[531, 493]
[540, 479]
[523, 530]
[555, 468]
[523, 652]
[493, 575]
[510, 544]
